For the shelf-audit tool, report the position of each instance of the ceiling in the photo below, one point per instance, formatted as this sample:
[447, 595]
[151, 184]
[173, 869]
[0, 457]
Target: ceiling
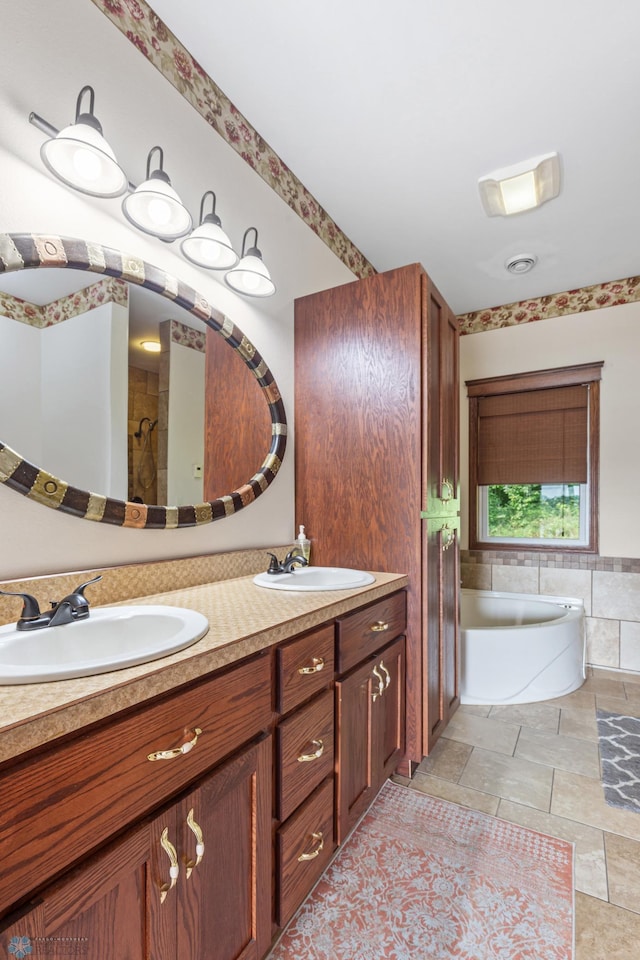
[389, 114]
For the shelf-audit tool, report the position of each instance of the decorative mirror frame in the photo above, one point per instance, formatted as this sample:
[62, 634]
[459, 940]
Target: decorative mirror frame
[26, 251]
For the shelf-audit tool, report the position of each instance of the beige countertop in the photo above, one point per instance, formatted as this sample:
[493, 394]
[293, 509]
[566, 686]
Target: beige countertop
[243, 619]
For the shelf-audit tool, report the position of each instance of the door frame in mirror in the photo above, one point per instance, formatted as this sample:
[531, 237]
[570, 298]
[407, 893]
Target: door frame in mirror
[27, 251]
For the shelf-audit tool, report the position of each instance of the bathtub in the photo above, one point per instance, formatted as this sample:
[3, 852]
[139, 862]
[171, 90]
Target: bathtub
[519, 648]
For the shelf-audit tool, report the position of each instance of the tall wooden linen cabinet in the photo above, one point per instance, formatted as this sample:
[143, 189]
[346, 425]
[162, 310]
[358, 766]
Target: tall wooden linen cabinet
[377, 463]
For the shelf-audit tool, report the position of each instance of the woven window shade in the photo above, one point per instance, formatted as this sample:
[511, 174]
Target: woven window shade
[537, 436]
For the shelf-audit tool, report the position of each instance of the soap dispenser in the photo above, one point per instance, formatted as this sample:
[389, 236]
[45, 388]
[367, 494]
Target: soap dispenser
[303, 544]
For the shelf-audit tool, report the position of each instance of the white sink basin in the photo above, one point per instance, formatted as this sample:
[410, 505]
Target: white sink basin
[315, 578]
[111, 638]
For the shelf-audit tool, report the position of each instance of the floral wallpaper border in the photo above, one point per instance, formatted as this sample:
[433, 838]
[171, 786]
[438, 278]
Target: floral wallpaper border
[187, 336]
[108, 290]
[599, 295]
[146, 31]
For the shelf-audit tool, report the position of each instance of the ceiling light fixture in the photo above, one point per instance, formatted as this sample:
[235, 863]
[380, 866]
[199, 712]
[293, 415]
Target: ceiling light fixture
[520, 187]
[80, 156]
[154, 207]
[251, 277]
[521, 263]
[208, 245]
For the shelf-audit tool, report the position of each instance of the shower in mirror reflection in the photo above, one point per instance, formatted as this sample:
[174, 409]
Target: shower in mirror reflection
[146, 469]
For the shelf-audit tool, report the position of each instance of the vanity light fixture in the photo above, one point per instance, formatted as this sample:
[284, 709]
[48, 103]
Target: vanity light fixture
[80, 156]
[154, 206]
[520, 187]
[251, 277]
[208, 245]
[151, 346]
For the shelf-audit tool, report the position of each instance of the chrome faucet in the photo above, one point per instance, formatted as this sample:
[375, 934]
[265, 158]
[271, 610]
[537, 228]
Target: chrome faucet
[74, 606]
[286, 566]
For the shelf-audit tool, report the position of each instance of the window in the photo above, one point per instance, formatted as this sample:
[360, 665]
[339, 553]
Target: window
[533, 459]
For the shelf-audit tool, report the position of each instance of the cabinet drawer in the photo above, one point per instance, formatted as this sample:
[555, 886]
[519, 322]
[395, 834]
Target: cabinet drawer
[364, 632]
[305, 752]
[73, 796]
[305, 846]
[305, 666]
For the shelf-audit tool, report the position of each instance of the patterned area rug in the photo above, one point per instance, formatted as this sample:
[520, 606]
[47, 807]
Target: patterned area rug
[424, 879]
[619, 742]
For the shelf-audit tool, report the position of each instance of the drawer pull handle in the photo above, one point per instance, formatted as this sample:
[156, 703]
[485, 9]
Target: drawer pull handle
[387, 675]
[176, 751]
[317, 664]
[197, 832]
[448, 537]
[174, 869]
[307, 757]
[317, 838]
[377, 693]
[448, 494]
[379, 626]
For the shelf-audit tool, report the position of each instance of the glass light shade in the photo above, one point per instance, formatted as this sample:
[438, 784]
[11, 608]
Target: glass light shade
[521, 187]
[209, 246]
[154, 207]
[81, 157]
[251, 278]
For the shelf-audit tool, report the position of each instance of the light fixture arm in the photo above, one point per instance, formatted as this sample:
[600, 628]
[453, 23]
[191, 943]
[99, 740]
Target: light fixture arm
[158, 173]
[43, 125]
[89, 118]
[252, 251]
[209, 217]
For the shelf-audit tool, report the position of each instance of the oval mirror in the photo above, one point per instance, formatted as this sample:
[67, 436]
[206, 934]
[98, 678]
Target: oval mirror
[186, 425]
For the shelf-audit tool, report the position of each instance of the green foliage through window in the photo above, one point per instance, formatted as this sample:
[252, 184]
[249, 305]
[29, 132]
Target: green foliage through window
[534, 511]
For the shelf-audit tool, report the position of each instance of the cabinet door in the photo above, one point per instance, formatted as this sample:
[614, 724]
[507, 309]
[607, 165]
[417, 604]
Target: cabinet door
[224, 843]
[371, 731]
[441, 429]
[116, 904]
[388, 713]
[354, 789]
[442, 622]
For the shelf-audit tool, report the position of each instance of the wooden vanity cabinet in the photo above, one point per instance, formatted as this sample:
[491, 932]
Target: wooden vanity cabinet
[202, 851]
[370, 707]
[74, 797]
[79, 793]
[196, 874]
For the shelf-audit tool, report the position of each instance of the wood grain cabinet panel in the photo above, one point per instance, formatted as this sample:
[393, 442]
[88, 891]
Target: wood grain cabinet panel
[304, 752]
[125, 902]
[370, 732]
[224, 901]
[305, 666]
[362, 633]
[76, 795]
[376, 361]
[305, 845]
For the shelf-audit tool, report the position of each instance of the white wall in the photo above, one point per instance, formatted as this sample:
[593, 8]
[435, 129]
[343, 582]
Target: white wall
[611, 334]
[84, 389]
[20, 404]
[185, 443]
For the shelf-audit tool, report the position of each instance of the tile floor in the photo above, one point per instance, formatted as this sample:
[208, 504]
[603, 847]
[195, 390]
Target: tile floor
[538, 765]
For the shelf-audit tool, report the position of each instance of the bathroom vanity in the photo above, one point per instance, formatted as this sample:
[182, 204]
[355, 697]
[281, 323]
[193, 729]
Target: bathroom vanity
[186, 807]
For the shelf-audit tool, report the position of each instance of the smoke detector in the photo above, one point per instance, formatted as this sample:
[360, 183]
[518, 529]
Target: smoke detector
[521, 263]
